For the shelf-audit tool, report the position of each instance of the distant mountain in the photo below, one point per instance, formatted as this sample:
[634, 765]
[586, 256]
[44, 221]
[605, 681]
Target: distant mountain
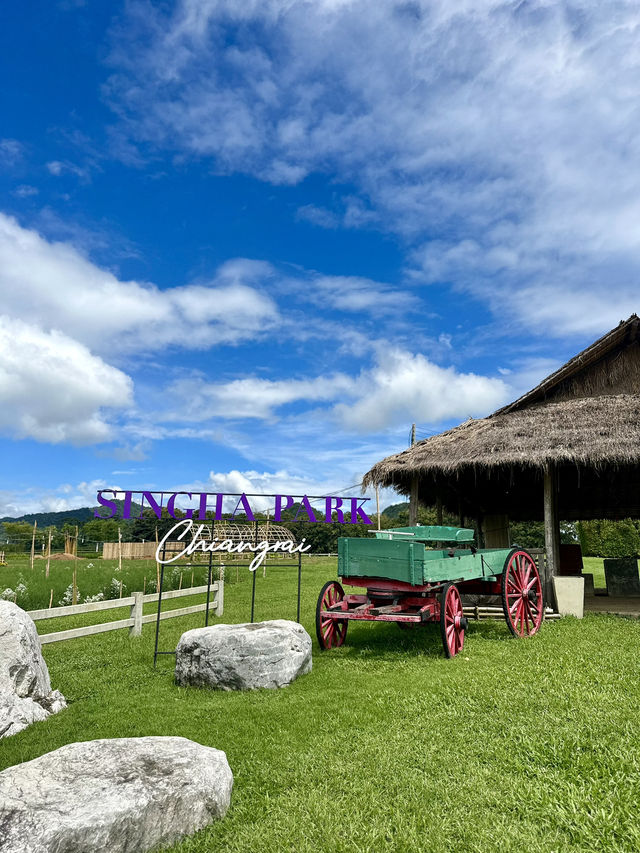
[85, 513]
[45, 519]
[394, 510]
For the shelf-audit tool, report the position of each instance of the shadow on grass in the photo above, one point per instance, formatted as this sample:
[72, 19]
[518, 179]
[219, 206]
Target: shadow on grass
[387, 641]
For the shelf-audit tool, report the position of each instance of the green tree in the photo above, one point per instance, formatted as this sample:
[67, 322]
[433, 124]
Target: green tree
[16, 529]
[101, 530]
[606, 538]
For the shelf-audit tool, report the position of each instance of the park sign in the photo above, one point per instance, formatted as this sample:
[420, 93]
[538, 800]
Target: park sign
[207, 505]
[213, 502]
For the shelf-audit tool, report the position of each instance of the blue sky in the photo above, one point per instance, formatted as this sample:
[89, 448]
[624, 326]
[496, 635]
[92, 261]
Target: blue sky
[243, 246]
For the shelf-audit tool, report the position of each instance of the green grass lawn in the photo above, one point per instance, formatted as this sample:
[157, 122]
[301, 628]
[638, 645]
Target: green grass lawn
[515, 744]
[595, 565]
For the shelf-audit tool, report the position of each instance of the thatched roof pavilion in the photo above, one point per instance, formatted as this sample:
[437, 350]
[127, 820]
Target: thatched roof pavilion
[568, 449]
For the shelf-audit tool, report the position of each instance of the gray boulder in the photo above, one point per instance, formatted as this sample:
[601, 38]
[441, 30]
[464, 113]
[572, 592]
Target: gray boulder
[120, 796]
[243, 657]
[25, 688]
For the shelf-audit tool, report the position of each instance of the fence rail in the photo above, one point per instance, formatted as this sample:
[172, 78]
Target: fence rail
[136, 618]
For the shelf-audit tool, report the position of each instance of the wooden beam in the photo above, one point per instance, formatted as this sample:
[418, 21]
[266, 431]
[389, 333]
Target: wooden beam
[496, 531]
[413, 503]
[551, 521]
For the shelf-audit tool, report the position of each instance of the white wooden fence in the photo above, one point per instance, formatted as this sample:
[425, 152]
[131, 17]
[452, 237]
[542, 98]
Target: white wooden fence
[136, 619]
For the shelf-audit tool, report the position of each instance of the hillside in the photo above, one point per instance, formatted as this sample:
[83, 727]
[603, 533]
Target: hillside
[394, 510]
[57, 519]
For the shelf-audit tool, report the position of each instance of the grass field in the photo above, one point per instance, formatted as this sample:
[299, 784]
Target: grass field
[93, 576]
[515, 744]
[595, 566]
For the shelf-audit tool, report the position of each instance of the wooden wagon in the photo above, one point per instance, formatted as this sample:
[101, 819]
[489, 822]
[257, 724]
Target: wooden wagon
[410, 583]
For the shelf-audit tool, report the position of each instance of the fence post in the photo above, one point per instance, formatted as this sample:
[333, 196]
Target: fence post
[220, 599]
[136, 614]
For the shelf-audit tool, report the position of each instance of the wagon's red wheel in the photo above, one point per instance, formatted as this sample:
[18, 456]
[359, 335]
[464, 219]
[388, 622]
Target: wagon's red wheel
[453, 622]
[330, 632]
[522, 599]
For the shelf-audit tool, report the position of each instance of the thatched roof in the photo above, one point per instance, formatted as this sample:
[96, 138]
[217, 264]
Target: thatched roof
[607, 365]
[534, 436]
[587, 413]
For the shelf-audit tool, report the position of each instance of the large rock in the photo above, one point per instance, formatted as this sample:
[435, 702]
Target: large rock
[243, 657]
[120, 796]
[25, 688]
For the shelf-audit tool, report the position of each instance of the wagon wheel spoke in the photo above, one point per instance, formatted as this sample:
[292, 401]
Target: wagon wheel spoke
[532, 583]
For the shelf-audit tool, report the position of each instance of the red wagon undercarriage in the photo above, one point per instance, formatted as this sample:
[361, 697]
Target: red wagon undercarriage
[409, 606]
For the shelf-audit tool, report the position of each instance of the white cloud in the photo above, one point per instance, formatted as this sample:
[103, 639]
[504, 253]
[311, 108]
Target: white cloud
[55, 167]
[319, 216]
[403, 388]
[357, 294]
[11, 152]
[501, 140]
[400, 388]
[58, 499]
[256, 482]
[62, 167]
[280, 482]
[25, 191]
[199, 400]
[574, 310]
[52, 284]
[53, 389]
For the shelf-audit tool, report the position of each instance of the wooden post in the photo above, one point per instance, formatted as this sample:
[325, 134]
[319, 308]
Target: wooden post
[413, 502]
[496, 531]
[75, 544]
[119, 550]
[220, 599]
[51, 600]
[48, 556]
[33, 543]
[551, 523]
[413, 497]
[378, 506]
[136, 614]
[551, 528]
[439, 510]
